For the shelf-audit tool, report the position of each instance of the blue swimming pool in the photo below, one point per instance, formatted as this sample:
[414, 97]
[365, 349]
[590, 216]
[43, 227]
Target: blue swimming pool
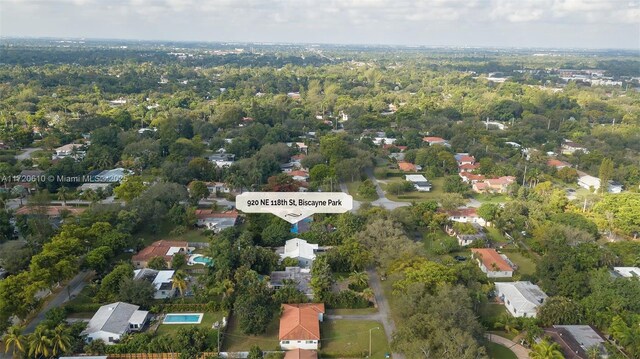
[204, 260]
[182, 318]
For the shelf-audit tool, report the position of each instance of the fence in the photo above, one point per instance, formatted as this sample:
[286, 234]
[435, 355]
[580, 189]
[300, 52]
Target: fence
[157, 355]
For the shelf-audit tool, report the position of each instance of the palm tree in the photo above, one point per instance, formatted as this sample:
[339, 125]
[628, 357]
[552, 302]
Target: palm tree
[359, 279]
[61, 340]
[62, 195]
[40, 342]
[594, 352]
[546, 350]
[368, 294]
[508, 323]
[14, 339]
[179, 282]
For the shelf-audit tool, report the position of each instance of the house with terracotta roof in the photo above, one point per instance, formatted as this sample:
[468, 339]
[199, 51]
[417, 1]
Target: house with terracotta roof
[162, 248]
[216, 221]
[407, 167]
[464, 159]
[435, 141]
[552, 162]
[471, 178]
[493, 185]
[494, 264]
[300, 326]
[299, 175]
[301, 354]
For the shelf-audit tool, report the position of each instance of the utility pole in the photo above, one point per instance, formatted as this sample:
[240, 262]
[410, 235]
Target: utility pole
[524, 176]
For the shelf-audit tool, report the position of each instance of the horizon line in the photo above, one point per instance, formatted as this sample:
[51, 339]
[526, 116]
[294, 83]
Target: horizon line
[275, 43]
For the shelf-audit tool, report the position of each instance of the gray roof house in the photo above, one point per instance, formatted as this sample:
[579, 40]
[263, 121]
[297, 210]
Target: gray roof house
[300, 276]
[114, 320]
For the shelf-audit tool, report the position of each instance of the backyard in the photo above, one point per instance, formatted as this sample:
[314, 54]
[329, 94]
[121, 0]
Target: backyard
[350, 339]
[526, 265]
[207, 322]
[434, 194]
[235, 340]
[497, 351]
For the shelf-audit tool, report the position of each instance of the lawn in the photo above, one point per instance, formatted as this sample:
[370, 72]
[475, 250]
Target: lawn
[363, 311]
[495, 235]
[490, 313]
[194, 235]
[491, 198]
[353, 191]
[235, 340]
[207, 322]
[436, 191]
[350, 339]
[526, 266]
[497, 351]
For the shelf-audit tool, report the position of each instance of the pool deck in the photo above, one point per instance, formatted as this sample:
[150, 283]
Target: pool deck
[199, 315]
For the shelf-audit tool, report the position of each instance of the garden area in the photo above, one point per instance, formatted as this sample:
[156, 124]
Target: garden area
[208, 319]
[235, 340]
[434, 194]
[350, 339]
[497, 351]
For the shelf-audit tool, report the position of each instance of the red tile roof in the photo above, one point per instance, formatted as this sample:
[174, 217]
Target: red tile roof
[406, 166]
[157, 249]
[298, 173]
[491, 259]
[300, 321]
[465, 158]
[463, 212]
[433, 139]
[557, 163]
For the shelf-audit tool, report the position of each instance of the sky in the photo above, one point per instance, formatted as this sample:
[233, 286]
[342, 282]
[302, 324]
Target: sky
[460, 23]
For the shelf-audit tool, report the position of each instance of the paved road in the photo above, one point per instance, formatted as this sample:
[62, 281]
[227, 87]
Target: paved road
[520, 351]
[27, 153]
[356, 204]
[75, 285]
[383, 201]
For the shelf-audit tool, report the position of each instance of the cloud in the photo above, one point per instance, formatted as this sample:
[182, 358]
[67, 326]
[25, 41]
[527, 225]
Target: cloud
[422, 21]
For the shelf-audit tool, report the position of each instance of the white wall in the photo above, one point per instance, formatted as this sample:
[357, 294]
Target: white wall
[299, 344]
[495, 274]
[104, 336]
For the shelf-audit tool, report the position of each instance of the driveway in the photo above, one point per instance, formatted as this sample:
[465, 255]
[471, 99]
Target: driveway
[27, 153]
[520, 351]
[75, 285]
[384, 312]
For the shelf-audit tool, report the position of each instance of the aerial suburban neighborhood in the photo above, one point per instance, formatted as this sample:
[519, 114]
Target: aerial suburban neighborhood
[287, 199]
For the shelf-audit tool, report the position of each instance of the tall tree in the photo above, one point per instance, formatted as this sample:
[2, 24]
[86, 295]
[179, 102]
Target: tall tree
[605, 173]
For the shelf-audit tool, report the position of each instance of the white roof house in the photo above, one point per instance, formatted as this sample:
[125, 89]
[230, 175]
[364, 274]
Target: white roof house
[522, 299]
[419, 182]
[161, 280]
[114, 320]
[589, 182]
[627, 272]
[301, 250]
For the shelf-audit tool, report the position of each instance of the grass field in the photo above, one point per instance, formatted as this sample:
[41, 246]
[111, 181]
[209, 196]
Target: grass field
[497, 351]
[235, 340]
[363, 311]
[495, 235]
[526, 266]
[194, 235]
[491, 198]
[436, 191]
[490, 313]
[350, 339]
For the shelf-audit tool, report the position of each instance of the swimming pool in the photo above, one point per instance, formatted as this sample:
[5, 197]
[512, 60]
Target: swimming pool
[202, 260]
[182, 318]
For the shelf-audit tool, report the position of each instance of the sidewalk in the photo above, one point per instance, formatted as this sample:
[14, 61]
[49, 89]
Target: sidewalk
[520, 351]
